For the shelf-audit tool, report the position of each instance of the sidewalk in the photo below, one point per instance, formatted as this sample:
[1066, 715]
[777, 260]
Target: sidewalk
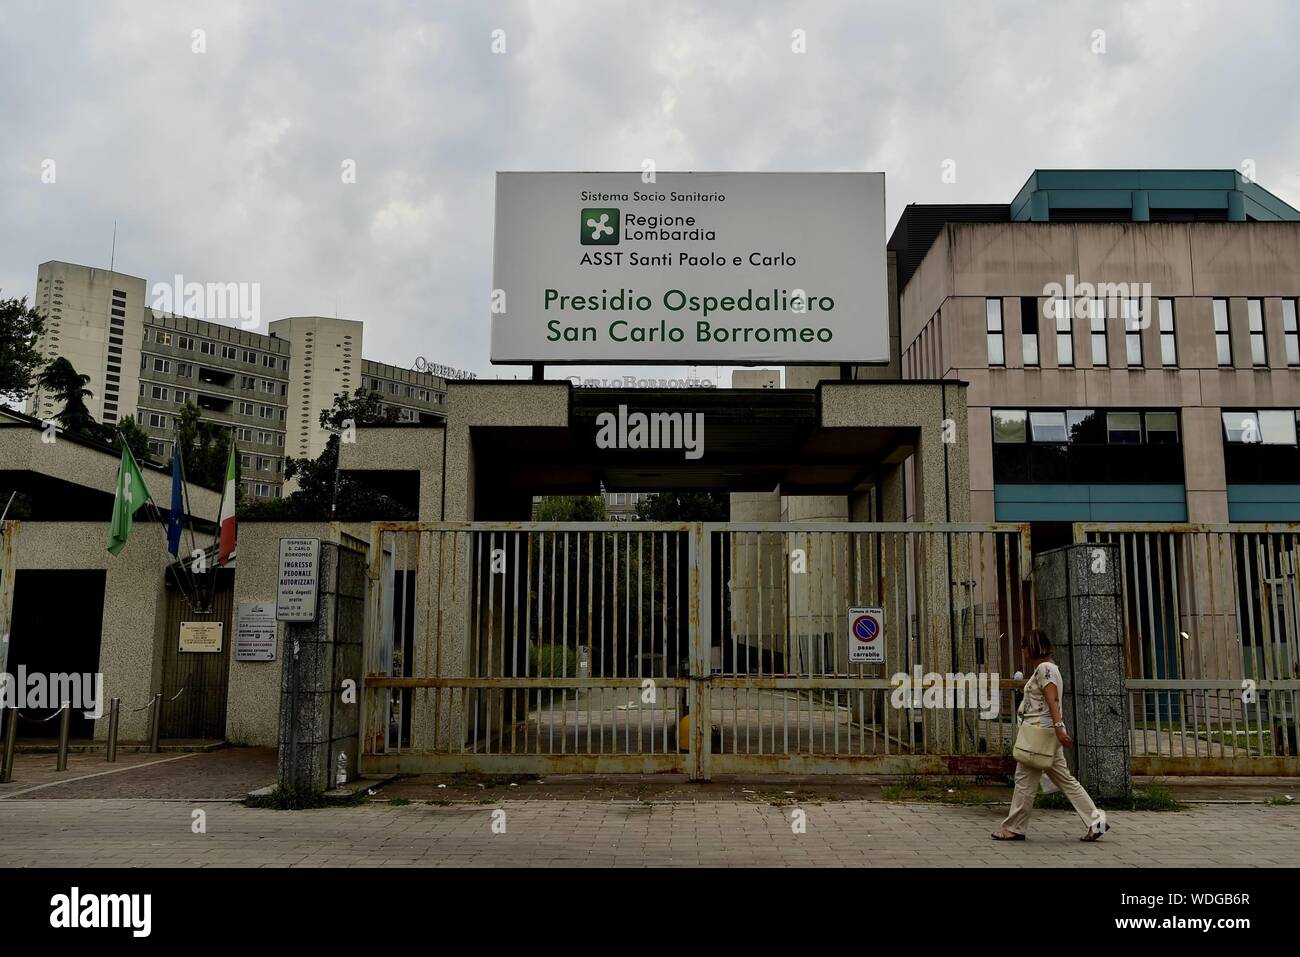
[229, 773]
[124, 833]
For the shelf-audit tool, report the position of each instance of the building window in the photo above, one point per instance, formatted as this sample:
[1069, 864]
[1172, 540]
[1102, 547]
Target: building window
[245, 435]
[1255, 316]
[1222, 339]
[1029, 330]
[245, 408]
[1263, 427]
[1064, 314]
[1097, 323]
[157, 421]
[1123, 428]
[181, 396]
[1008, 426]
[1290, 334]
[1162, 428]
[163, 338]
[1277, 426]
[1048, 427]
[1132, 316]
[184, 342]
[162, 365]
[207, 348]
[158, 392]
[1168, 343]
[993, 327]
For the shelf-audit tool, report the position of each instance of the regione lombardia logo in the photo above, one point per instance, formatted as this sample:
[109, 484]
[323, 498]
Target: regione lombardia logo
[599, 226]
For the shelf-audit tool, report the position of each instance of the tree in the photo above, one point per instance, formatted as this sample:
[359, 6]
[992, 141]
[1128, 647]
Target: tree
[69, 387]
[684, 507]
[318, 479]
[20, 328]
[362, 407]
[136, 437]
[205, 448]
[570, 508]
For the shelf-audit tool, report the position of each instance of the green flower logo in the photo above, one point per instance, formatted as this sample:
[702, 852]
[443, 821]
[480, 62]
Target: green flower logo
[599, 227]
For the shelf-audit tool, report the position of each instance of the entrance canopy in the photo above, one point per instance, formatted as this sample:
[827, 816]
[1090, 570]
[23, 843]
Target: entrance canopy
[751, 440]
[505, 442]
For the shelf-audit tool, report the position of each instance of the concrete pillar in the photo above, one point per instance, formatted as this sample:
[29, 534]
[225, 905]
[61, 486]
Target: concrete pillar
[316, 724]
[1078, 592]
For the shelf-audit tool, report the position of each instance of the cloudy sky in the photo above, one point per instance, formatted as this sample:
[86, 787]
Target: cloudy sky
[225, 165]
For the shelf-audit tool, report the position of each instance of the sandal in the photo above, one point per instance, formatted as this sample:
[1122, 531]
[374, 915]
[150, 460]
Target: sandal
[1006, 836]
[1095, 835]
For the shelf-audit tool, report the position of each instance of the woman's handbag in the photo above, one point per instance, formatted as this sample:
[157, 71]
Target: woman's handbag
[1035, 746]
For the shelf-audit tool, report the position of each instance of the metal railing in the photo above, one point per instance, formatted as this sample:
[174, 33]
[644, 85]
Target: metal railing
[593, 646]
[1212, 645]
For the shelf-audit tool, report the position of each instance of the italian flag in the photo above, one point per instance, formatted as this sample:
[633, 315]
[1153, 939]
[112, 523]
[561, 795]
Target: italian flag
[226, 520]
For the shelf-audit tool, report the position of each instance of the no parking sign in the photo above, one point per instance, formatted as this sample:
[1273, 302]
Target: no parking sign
[867, 635]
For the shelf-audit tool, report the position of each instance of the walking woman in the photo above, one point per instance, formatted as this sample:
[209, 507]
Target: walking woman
[1042, 708]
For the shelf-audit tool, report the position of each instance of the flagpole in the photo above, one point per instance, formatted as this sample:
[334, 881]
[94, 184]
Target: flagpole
[151, 505]
[189, 510]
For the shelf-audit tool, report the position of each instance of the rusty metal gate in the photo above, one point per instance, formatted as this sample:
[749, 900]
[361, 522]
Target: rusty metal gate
[1212, 645]
[594, 647]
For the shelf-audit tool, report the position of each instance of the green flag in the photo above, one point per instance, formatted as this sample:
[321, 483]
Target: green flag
[131, 494]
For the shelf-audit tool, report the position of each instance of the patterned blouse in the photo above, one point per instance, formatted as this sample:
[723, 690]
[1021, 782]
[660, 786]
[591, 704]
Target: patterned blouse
[1035, 704]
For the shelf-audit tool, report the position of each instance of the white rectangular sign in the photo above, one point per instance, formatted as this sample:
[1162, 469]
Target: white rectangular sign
[255, 631]
[295, 598]
[867, 636]
[719, 268]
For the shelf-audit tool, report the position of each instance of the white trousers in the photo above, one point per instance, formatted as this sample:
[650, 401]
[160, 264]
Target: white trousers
[1022, 800]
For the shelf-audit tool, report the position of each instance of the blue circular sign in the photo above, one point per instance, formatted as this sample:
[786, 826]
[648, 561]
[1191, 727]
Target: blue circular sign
[866, 628]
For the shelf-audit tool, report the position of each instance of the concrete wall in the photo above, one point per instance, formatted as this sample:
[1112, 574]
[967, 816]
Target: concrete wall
[253, 699]
[134, 603]
[474, 404]
[942, 475]
[21, 449]
[405, 448]
[943, 328]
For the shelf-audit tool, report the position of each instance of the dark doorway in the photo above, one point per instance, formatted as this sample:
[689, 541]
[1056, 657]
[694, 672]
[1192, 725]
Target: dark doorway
[57, 621]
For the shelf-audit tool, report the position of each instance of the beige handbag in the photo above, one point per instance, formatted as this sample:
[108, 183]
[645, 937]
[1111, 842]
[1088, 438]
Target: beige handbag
[1035, 746]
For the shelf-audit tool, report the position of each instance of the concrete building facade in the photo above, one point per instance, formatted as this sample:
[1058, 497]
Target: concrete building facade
[1130, 340]
[268, 388]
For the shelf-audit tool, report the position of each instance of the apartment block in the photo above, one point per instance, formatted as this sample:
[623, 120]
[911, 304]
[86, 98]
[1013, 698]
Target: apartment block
[269, 389]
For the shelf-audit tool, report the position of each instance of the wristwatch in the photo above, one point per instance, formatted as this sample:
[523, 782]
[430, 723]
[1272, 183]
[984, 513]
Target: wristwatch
[1059, 724]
